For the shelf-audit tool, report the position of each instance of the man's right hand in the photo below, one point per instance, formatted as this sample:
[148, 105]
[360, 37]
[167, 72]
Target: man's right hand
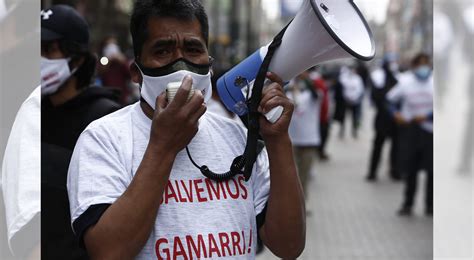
[399, 119]
[175, 123]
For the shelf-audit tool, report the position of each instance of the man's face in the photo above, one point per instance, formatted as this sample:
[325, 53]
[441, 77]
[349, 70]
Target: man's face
[170, 39]
[50, 50]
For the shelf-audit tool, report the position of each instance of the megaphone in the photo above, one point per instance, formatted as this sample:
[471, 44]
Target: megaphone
[323, 30]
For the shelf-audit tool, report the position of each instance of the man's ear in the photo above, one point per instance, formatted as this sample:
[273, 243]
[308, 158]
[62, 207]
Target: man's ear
[135, 73]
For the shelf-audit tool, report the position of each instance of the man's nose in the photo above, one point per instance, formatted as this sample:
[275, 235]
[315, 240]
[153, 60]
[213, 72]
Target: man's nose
[179, 54]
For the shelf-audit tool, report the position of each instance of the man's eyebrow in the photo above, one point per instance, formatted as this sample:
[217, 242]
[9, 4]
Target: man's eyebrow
[193, 43]
[163, 43]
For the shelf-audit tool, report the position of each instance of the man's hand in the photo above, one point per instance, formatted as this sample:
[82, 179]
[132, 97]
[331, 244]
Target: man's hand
[399, 119]
[175, 124]
[419, 119]
[273, 96]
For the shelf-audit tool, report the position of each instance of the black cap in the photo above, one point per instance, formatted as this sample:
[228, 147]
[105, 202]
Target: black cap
[64, 22]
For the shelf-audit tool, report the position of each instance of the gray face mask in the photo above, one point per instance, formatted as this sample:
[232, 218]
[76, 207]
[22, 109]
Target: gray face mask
[177, 65]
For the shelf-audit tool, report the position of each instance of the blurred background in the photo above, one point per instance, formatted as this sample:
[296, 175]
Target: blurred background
[238, 28]
[348, 215]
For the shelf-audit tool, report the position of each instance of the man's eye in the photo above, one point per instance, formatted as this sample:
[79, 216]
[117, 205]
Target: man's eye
[162, 52]
[195, 50]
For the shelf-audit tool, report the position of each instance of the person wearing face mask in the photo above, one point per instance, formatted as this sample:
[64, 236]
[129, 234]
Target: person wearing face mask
[113, 70]
[383, 79]
[133, 185]
[414, 116]
[68, 105]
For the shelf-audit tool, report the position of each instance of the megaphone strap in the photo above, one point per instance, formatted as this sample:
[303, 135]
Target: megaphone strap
[243, 164]
[250, 153]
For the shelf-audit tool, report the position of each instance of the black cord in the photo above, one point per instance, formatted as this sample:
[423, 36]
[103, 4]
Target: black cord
[235, 168]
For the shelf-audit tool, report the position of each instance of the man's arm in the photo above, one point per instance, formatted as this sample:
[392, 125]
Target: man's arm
[284, 230]
[125, 226]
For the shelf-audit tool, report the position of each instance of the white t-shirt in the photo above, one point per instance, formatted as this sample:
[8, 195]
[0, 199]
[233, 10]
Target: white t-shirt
[20, 178]
[416, 98]
[353, 86]
[198, 218]
[378, 78]
[304, 125]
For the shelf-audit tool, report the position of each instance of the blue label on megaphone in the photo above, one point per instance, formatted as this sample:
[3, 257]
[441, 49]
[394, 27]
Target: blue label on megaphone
[229, 86]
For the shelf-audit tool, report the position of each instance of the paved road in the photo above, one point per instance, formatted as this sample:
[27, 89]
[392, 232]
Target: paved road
[353, 219]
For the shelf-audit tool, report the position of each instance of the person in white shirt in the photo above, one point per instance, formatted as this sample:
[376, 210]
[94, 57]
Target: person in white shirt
[411, 103]
[134, 190]
[353, 92]
[304, 126]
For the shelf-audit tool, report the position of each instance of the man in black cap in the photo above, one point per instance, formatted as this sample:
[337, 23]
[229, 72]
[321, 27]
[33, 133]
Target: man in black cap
[68, 105]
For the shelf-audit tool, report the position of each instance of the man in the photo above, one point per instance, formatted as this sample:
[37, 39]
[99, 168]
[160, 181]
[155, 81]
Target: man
[304, 126]
[383, 80]
[134, 191]
[414, 92]
[68, 105]
[321, 85]
[353, 92]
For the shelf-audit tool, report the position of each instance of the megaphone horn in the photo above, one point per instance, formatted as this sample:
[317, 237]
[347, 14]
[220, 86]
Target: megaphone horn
[323, 30]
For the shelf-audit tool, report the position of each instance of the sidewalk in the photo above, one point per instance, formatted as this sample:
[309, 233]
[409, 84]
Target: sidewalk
[353, 219]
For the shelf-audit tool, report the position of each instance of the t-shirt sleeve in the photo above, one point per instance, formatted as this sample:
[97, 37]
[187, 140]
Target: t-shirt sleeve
[97, 174]
[261, 186]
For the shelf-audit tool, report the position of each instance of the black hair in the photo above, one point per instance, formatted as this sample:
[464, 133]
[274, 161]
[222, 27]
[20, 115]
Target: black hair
[86, 71]
[181, 9]
[420, 57]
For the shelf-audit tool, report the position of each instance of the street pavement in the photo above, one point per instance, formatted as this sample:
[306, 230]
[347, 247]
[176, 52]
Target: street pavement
[349, 218]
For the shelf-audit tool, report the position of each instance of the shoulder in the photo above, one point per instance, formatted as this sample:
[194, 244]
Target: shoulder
[112, 124]
[32, 103]
[100, 98]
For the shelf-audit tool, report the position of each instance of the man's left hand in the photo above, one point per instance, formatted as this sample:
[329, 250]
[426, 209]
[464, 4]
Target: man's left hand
[274, 96]
[419, 119]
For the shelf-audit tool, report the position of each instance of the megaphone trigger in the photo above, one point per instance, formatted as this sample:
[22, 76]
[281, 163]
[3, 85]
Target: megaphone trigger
[274, 114]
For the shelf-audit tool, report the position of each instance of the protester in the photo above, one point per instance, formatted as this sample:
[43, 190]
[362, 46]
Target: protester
[113, 70]
[68, 105]
[321, 84]
[340, 105]
[383, 79]
[133, 188]
[304, 126]
[353, 93]
[414, 92]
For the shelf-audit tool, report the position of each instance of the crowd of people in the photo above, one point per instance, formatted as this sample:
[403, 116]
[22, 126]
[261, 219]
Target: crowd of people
[403, 104]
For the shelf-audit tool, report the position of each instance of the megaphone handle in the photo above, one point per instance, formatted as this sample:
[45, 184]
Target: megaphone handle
[273, 115]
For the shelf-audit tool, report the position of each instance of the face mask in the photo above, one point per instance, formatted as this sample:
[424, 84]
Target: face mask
[53, 74]
[423, 72]
[156, 80]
